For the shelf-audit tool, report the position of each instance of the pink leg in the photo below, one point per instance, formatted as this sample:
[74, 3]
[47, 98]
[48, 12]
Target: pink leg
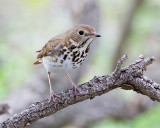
[52, 94]
[75, 89]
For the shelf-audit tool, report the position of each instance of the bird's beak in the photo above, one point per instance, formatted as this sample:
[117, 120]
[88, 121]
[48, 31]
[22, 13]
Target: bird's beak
[93, 35]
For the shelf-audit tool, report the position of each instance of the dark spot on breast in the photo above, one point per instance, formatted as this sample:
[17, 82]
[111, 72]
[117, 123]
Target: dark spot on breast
[64, 50]
[72, 47]
[61, 61]
[87, 49]
[65, 56]
[77, 59]
[82, 53]
[80, 61]
[78, 54]
[83, 43]
[73, 59]
[74, 53]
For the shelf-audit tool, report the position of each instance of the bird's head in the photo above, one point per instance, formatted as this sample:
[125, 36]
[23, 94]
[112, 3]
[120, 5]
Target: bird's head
[83, 33]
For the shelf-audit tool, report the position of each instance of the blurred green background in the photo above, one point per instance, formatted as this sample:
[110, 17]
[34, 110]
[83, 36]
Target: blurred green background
[126, 26]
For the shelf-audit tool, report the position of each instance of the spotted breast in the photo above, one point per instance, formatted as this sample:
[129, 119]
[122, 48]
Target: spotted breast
[67, 58]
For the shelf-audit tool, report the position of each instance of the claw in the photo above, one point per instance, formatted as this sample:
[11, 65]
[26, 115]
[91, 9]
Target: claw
[75, 89]
[53, 97]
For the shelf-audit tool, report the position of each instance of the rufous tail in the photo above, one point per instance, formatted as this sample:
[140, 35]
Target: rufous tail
[38, 61]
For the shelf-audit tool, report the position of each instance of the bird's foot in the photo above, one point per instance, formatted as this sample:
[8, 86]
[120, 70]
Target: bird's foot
[75, 90]
[53, 97]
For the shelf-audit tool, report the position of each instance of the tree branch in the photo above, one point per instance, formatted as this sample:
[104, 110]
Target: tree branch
[131, 75]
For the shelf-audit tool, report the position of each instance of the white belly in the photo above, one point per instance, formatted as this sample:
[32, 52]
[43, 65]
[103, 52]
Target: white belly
[52, 66]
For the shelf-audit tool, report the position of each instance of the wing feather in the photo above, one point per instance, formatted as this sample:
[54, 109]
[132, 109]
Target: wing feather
[51, 47]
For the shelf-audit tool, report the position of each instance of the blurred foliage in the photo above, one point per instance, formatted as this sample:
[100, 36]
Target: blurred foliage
[11, 74]
[149, 119]
[143, 23]
[144, 120]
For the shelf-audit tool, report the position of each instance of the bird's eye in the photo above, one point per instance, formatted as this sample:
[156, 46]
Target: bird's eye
[80, 32]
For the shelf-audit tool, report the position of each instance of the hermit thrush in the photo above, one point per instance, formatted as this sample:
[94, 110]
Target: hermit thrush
[66, 52]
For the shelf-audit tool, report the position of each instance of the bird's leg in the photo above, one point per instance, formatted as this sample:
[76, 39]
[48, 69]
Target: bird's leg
[74, 88]
[52, 94]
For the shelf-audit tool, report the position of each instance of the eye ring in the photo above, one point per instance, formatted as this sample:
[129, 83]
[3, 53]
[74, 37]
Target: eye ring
[80, 32]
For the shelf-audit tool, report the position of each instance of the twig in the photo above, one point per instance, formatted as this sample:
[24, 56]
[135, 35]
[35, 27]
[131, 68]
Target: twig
[4, 108]
[126, 29]
[131, 75]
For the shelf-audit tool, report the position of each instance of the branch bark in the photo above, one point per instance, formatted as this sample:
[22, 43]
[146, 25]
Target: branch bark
[131, 75]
